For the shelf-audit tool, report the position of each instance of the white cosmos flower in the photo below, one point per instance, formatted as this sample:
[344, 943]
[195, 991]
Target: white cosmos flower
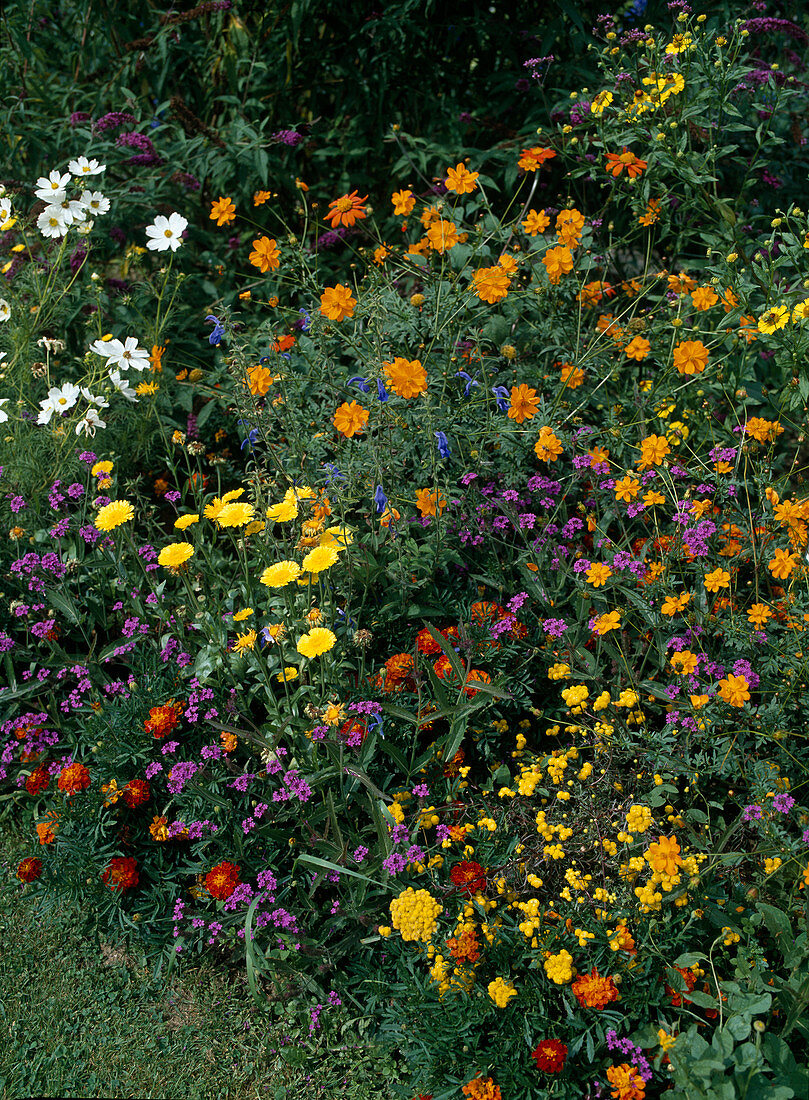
[89, 422]
[52, 188]
[5, 211]
[3, 415]
[51, 223]
[59, 400]
[72, 211]
[102, 402]
[166, 233]
[5, 313]
[94, 202]
[122, 385]
[84, 167]
[121, 355]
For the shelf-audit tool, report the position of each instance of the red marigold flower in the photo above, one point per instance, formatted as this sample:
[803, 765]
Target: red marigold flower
[74, 778]
[476, 674]
[426, 643]
[29, 869]
[163, 719]
[38, 780]
[398, 669]
[677, 997]
[550, 1055]
[136, 792]
[121, 873]
[593, 990]
[469, 876]
[354, 731]
[222, 880]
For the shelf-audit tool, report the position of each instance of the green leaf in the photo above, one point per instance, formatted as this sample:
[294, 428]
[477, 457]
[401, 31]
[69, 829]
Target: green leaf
[325, 865]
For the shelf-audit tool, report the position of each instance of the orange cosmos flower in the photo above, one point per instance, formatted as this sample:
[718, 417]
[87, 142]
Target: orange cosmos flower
[569, 226]
[637, 348]
[403, 202]
[594, 991]
[442, 235]
[704, 297]
[346, 210]
[684, 662]
[524, 403]
[719, 578]
[260, 197]
[764, 431]
[690, 357]
[534, 158]
[664, 856]
[627, 488]
[350, 419]
[337, 303]
[652, 213]
[758, 614]
[428, 501]
[259, 380]
[603, 624]
[617, 162]
[156, 358]
[491, 284]
[407, 378]
[548, 447]
[223, 211]
[734, 690]
[597, 455]
[265, 255]
[558, 261]
[598, 574]
[460, 180]
[570, 376]
[536, 222]
[782, 564]
[653, 449]
[673, 604]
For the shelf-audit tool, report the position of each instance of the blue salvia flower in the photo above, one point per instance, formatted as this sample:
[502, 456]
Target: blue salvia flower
[502, 395]
[360, 382]
[443, 445]
[470, 381]
[306, 320]
[380, 500]
[381, 391]
[218, 330]
[335, 475]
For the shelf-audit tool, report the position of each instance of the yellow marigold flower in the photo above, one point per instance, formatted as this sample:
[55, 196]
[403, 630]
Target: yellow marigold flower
[442, 235]
[415, 913]
[780, 565]
[276, 576]
[185, 521]
[104, 467]
[406, 377]
[774, 318]
[524, 402]
[536, 222]
[719, 578]
[265, 255]
[318, 641]
[403, 202]
[461, 180]
[245, 613]
[735, 690]
[223, 211]
[175, 554]
[235, 514]
[501, 992]
[283, 512]
[559, 968]
[319, 559]
[598, 574]
[213, 509]
[337, 303]
[653, 449]
[112, 515]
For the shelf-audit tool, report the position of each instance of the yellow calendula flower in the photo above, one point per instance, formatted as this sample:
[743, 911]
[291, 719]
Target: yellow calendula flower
[318, 641]
[112, 515]
[185, 521]
[175, 554]
[319, 559]
[276, 576]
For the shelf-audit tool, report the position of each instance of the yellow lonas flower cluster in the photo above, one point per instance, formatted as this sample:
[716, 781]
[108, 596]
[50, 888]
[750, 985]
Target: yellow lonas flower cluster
[415, 914]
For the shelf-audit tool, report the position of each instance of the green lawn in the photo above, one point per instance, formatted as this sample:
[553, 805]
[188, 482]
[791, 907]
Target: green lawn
[76, 1021]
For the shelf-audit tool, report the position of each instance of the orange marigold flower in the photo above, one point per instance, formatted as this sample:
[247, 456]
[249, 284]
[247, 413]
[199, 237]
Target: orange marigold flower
[38, 780]
[704, 297]
[664, 856]
[534, 158]
[461, 180]
[163, 719]
[47, 829]
[398, 669]
[222, 880]
[482, 1088]
[550, 1055]
[617, 162]
[653, 449]
[407, 378]
[627, 1083]
[442, 235]
[350, 419]
[558, 261]
[782, 564]
[265, 255]
[637, 348]
[690, 357]
[734, 690]
[74, 778]
[524, 403]
[593, 990]
[223, 211]
[346, 210]
[428, 500]
[548, 447]
[403, 202]
[136, 793]
[536, 222]
[491, 284]
[121, 874]
[337, 302]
